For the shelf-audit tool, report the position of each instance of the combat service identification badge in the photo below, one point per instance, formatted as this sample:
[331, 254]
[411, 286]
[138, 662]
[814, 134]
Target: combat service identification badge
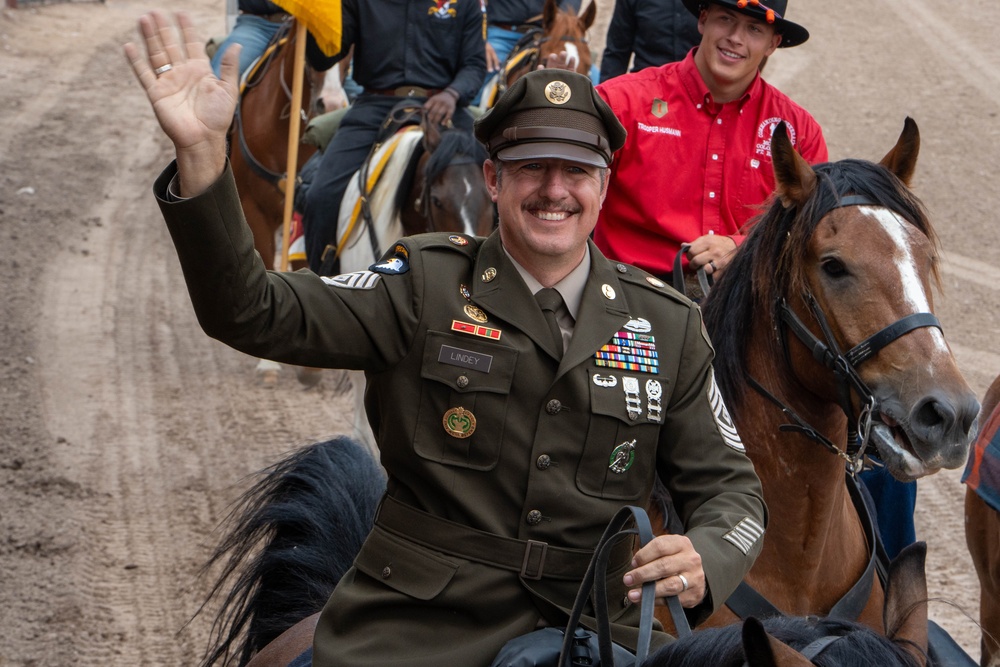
[622, 457]
[459, 422]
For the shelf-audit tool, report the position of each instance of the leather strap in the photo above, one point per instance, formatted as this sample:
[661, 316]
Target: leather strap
[591, 581]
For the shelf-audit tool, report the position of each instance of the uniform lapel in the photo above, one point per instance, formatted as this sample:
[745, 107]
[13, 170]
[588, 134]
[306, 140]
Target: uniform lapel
[603, 312]
[498, 289]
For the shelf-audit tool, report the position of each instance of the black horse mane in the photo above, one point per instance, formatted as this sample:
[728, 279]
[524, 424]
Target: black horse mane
[455, 144]
[857, 645]
[290, 539]
[768, 263]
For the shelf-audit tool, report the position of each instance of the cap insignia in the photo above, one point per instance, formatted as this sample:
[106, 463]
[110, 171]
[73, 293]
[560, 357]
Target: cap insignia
[558, 92]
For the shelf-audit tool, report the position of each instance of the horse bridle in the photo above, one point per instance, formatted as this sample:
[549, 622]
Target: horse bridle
[843, 365]
[256, 75]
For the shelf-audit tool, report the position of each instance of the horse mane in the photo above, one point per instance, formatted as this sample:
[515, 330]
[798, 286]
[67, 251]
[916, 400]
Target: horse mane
[290, 539]
[768, 265]
[857, 646]
[455, 144]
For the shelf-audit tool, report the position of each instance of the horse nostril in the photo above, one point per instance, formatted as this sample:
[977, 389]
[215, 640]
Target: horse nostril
[932, 417]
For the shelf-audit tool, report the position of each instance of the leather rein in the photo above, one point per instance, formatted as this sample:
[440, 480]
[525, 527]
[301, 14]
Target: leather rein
[746, 601]
[255, 76]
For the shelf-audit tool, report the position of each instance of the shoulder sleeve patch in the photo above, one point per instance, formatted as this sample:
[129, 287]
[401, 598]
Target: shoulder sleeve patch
[356, 280]
[394, 262]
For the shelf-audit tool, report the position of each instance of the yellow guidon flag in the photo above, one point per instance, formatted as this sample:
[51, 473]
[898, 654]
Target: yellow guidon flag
[322, 18]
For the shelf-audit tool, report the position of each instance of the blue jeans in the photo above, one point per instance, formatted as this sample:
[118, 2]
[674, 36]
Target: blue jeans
[254, 33]
[503, 42]
[894, 505]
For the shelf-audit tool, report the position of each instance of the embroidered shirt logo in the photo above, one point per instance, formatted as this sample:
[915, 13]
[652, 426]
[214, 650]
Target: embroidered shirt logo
[764, 132]
[442, 9]
[659, 108]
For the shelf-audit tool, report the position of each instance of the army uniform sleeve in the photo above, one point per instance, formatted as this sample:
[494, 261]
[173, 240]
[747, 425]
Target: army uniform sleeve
[711, 480]
[361, 321]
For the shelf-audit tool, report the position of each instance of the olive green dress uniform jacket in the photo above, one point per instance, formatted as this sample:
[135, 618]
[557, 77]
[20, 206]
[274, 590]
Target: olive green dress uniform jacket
[538, 465]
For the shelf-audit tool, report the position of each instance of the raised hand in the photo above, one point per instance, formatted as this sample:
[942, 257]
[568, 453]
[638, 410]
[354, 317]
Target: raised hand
[193, 107]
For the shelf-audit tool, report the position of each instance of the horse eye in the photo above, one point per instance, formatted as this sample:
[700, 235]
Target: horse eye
[834, 268]
[437, 202]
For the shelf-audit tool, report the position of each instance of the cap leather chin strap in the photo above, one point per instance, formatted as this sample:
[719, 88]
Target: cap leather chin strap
[548, 133]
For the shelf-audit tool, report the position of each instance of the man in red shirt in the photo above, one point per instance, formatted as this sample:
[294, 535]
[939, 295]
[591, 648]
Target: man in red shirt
[697, 162]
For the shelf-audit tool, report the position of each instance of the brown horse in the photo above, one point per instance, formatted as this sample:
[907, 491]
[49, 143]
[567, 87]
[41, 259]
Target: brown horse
[796, 641]
[258, 137]
[561, 30]
[982, 534]
[826, 344]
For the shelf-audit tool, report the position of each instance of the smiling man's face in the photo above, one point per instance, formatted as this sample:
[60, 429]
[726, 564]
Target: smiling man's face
[733, 45]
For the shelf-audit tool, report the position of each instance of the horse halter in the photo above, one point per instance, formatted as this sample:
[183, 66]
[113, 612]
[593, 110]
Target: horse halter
[843, 365]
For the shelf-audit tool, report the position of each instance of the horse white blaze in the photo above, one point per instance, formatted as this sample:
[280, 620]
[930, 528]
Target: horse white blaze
[901, 232]
[468, 221]
[572, 55]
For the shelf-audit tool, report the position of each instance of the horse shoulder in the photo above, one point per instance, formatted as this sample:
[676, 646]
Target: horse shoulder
[289, 644]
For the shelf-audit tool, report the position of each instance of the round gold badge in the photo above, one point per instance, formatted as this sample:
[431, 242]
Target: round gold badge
[609, 291]
[558, 92]
[489, 274]
[655, 282]
[475, 313]
[459, 423]
[458, 240]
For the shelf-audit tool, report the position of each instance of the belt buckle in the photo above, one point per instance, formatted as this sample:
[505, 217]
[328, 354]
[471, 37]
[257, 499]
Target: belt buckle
[531, 547]
[411, 91]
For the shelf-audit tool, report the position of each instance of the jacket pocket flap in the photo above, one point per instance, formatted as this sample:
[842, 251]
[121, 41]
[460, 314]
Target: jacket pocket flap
[404, 566]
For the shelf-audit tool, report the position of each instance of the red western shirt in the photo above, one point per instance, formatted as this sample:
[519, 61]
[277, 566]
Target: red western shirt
[690, 166]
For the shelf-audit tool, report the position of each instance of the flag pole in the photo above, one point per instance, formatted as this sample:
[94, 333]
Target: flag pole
[293, 139]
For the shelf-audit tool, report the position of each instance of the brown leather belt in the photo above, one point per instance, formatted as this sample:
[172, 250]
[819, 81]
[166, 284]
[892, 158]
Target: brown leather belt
[404, 91]
[529, 558]
[523, 28]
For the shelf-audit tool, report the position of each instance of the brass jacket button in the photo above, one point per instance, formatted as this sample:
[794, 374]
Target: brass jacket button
[543, 462]
[462, 382]
[553, 407]
[386, 572]
[534, 518]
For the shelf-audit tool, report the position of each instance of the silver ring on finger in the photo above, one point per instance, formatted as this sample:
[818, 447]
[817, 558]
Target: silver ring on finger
[163, 70]
[684, 581]
[714, 268]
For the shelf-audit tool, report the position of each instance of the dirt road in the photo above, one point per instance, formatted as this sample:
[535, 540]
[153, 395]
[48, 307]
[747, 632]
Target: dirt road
[125, 432]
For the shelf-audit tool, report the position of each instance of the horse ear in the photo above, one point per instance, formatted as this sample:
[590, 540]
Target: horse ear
[902, 159]
[432, 134]
[794, 179]
[588, 16]
[905, 614]
[549, 13]
[763, 650]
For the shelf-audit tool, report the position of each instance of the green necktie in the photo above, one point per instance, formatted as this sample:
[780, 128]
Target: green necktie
[550, 301]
